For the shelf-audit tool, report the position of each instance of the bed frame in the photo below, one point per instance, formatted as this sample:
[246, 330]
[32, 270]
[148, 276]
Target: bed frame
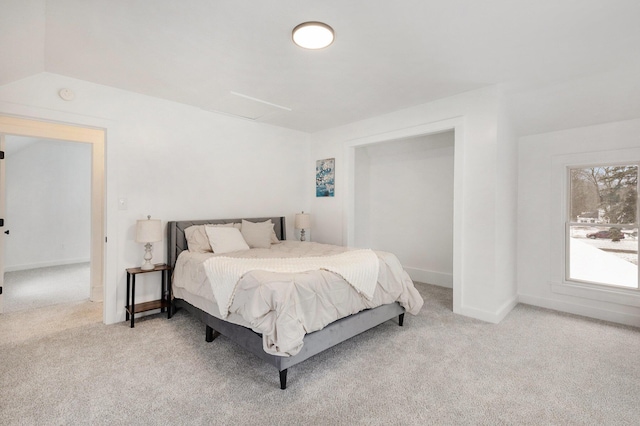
[314, 343]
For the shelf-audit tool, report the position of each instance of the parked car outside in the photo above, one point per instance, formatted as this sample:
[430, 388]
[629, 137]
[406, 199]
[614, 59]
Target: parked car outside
[604, 234]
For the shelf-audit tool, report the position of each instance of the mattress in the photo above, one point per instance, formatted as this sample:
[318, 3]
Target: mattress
[283, 307]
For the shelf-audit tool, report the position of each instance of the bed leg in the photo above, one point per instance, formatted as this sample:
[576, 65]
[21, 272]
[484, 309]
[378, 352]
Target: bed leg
[211, 334]
[283, 379]
[401, 320]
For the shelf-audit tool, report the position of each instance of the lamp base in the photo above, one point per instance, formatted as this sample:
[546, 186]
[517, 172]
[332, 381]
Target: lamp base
[302, 237]
[147, 265]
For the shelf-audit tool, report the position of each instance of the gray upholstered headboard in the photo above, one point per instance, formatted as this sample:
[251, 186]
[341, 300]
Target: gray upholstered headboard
[177, 241]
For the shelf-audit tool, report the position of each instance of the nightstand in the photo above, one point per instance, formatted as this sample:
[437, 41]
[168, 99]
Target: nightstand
[164, 303]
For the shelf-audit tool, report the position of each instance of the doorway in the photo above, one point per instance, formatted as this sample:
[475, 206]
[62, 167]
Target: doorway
[403, 203]
[455, 125]
[47, 222]
[95, 138]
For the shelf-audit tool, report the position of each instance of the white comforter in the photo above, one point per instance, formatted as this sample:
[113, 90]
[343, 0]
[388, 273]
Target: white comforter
[357, 267]
[283, 307]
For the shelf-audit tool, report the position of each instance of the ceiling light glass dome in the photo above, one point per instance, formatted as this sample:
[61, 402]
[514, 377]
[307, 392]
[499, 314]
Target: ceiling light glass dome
[313, 35]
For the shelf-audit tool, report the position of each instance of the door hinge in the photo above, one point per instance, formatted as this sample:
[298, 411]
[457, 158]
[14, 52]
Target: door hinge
[0, 290]
[1, 155]
[1, 222]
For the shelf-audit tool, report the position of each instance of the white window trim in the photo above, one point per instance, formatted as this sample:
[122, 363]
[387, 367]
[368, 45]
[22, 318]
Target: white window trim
[559, 190]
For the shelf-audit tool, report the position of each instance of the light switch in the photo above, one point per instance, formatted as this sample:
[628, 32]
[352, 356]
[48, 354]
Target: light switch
[122, 204]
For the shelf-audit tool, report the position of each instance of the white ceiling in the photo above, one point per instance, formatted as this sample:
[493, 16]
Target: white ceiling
[387, 55]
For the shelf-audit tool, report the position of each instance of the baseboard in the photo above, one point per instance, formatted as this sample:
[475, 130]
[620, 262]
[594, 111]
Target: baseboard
[507, 307]
[582, 310]
[45, 264]
[430, 277]
[493, 317]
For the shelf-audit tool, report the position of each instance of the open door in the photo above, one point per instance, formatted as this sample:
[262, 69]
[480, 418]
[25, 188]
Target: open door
[2, 224]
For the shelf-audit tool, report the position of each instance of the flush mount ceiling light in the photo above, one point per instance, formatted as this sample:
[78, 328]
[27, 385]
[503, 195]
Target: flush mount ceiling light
[313, 35]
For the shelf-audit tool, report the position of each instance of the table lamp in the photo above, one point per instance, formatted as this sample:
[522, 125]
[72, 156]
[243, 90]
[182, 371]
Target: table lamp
[302, 222]
[148, 231]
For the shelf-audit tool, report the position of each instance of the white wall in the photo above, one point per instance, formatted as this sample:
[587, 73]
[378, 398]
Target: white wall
[484, 285]
[542, 160]
[48, 203]
[506, 207]
[173, 162]
[404, 203]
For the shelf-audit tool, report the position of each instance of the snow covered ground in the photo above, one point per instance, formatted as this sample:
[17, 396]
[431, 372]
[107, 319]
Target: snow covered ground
[589, 263]
[626, 249]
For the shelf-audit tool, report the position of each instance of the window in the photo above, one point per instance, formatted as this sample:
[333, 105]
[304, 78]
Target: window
[602, 227]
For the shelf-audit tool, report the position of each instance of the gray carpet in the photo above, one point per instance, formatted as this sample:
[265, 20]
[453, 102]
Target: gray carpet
[536, 367]
[35, 288]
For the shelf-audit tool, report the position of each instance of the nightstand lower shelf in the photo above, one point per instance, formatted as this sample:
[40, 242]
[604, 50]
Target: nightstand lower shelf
[147, 306]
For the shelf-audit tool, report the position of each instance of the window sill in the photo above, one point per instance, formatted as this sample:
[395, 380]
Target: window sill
[618, 296]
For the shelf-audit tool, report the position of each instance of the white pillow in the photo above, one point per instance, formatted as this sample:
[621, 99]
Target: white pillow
[257, 235]
[197, 238]
[225, 240]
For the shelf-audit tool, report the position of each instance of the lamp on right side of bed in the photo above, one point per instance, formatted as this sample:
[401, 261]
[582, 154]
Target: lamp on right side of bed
[303, 222]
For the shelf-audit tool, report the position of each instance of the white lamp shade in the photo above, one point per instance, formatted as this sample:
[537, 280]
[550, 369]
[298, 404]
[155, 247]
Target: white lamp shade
[148, 231]
[303, 221]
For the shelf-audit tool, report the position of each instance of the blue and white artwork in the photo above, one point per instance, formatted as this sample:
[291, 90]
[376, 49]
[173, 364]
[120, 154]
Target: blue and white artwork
[325, 177]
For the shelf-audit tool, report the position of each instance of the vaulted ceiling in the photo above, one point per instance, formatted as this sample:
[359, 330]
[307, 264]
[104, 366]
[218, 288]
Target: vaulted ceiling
[236, 57]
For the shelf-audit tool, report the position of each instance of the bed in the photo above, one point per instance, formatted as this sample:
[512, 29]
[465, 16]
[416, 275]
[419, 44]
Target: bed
[271, 333]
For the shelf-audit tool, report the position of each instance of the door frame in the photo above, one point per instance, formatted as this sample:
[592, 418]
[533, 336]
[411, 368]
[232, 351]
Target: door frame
[455, 124]
[96, 137]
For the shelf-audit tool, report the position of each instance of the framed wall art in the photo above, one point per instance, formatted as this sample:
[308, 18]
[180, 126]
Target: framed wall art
[325, 177]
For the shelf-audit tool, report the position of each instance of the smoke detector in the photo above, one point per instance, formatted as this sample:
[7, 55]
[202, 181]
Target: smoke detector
[67, 94]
